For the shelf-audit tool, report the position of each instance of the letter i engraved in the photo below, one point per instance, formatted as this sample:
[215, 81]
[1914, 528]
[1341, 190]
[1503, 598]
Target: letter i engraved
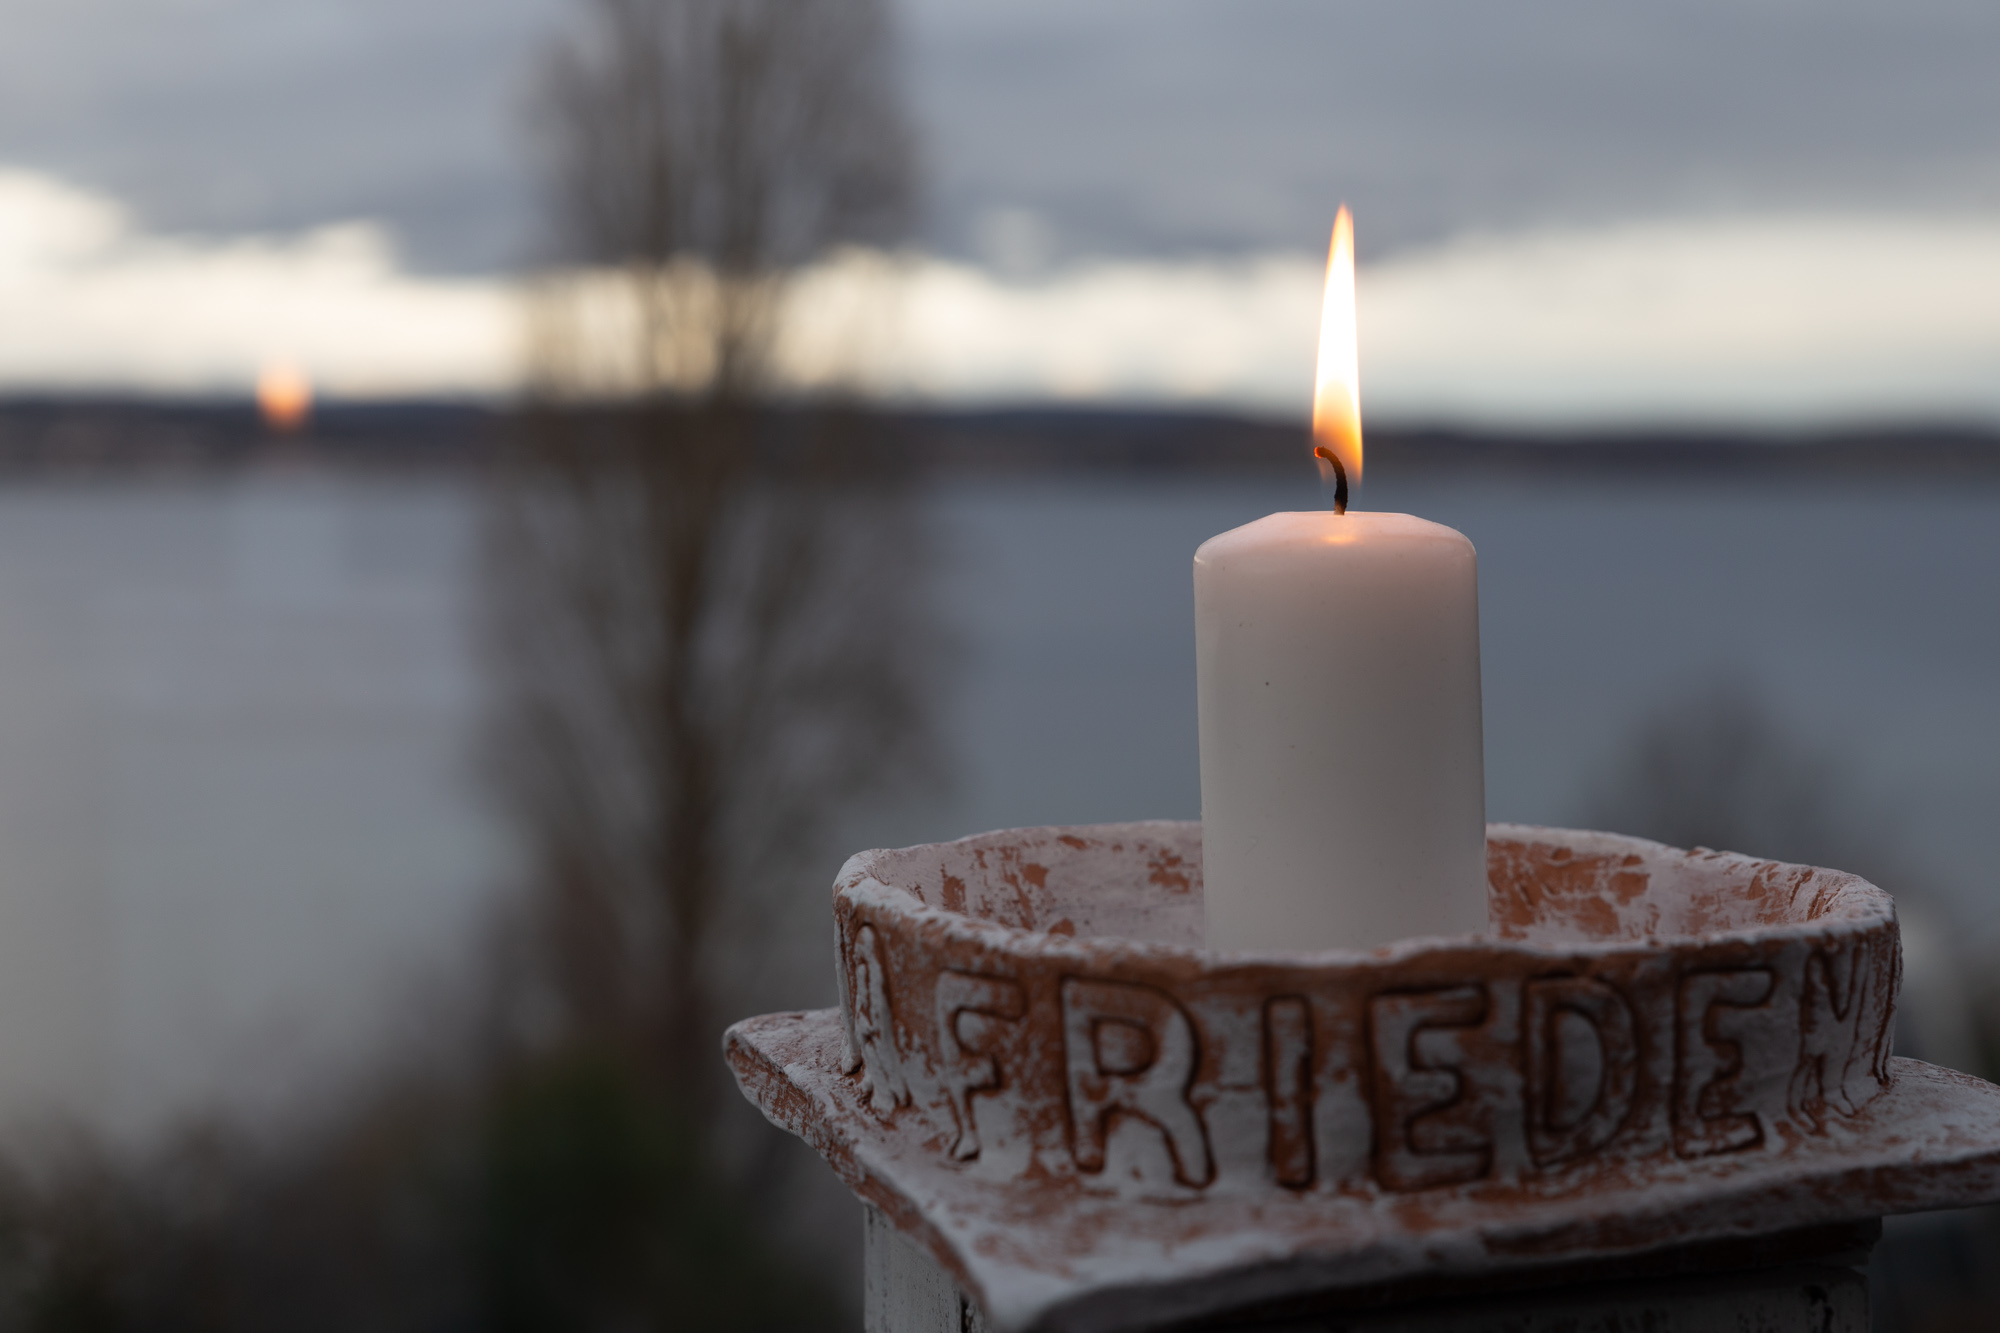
[1288, 1085]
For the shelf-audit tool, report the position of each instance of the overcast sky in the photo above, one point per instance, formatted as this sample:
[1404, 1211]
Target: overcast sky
[1065, 133]
[1161, 126]
[1194, 124]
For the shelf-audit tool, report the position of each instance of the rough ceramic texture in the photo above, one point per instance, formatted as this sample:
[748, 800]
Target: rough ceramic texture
[1040, 1075]
[1038, 999]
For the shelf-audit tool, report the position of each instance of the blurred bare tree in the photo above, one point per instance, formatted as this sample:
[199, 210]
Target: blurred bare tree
[709, 612]
[1713, 767]
[703, 152]
[709, 627]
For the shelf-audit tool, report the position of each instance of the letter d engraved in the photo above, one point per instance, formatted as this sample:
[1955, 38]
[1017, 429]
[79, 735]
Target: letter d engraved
[1288, 1087]
[1583, 1063]
[1419, 1144]
[1715, 1013]
[1130, 1050]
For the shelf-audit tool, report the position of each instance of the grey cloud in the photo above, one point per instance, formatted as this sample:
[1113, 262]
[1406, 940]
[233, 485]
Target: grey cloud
[1191, 125]
[237, 115]
[1096, 126]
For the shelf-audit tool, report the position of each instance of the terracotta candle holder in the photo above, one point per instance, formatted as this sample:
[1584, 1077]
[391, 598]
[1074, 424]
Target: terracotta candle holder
[1041, 1078]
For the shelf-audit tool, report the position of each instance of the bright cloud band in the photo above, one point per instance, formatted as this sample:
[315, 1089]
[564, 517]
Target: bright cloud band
[1775, 319]
[88, 301]
[1782, 319]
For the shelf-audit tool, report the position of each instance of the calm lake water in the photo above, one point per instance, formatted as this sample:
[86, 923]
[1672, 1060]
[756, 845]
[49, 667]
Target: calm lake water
[1869, 622]
[240, 817]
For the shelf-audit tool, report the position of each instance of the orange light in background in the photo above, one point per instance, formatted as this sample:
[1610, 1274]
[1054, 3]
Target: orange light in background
[1337, 393]
[284, 396]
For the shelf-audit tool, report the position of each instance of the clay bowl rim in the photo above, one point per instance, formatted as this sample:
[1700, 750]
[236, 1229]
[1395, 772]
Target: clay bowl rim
[1860, 906]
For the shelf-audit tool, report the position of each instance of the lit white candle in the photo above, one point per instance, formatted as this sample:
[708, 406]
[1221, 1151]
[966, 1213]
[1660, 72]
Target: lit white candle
[1342, 780]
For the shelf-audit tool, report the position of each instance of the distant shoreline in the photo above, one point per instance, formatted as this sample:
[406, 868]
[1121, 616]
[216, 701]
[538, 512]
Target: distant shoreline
[116, 436]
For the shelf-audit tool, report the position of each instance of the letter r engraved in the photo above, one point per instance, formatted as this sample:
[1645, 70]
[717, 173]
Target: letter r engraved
[968, 1007]
[1712, 1018]
[1130, 1050]
[1583, 1064]
[1288, 1087]
[1417, 1082]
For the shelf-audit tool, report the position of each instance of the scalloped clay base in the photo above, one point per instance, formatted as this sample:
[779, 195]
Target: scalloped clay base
[1040, 1078]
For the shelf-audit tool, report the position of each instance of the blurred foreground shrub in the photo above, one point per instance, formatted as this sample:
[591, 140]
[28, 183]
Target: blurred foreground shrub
[598, 1213]
[570, 1195]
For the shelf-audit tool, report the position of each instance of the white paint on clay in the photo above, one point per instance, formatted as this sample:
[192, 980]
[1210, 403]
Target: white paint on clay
[1040, 1077]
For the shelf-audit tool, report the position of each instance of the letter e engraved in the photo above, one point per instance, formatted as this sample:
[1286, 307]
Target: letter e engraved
[1583, 1063]
[968, 1007]
[1713, 1017]
[1130, 1050]
[1288, 1086]
[875, 1027]
[1842, 1015]
[1417, 1084]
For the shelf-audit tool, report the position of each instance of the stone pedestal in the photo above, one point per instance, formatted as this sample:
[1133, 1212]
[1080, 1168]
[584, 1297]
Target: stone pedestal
[1819, 1289]
[1809, 1282]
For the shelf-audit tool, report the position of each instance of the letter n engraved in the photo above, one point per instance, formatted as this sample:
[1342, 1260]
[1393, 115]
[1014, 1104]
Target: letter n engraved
[1130, 1051]
[1288, 1086]
[1843, 1015]
[1583, 1063]
[1419, 1144]
[1714, 1015]
[969, 1008]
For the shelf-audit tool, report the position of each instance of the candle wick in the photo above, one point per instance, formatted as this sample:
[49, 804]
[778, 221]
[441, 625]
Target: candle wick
[1339, 477]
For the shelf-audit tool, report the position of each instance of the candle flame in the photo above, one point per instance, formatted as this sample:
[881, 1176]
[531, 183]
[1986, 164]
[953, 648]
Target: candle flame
[284, 396]
[1337, 393]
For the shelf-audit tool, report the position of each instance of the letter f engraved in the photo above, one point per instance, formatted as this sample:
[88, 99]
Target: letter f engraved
[967, 1008]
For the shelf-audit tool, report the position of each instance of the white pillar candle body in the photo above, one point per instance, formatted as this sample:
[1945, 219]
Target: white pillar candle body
[1343, 793]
